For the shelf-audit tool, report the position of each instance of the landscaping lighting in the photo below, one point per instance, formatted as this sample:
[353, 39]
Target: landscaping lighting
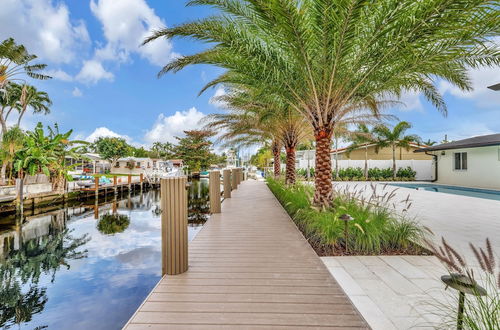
[463, 284]
[346, 218]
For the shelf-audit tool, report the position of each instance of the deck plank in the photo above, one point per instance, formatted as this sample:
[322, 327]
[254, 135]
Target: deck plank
[249, 268]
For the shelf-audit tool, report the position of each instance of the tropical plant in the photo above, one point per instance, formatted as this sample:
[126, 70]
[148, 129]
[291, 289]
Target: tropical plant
[395, 138]
[15, 61]
[112, 148]
[9, 103]
[162, 150]
[12, 142]
[337, 60]
[429, 142]
[34, 99]
[361, 138]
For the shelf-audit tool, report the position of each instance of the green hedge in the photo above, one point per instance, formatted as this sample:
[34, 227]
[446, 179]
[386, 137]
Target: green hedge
[374, 230]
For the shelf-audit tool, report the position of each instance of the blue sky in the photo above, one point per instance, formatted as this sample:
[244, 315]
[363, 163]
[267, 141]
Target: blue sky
[105, 84]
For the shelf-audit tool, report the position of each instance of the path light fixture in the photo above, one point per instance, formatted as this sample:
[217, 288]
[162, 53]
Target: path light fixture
[463, 284]
[346, 218]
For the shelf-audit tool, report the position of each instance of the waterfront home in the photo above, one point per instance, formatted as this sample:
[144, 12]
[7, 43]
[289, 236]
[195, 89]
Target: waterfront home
[90, 164]
[419, 162]
[134, 165]
[473, 162]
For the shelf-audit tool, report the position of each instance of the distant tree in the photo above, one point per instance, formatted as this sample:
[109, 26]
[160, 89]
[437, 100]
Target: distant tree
[112, 148]
[140, 152]
[195, 149]
[262, 157]
[162, 150]
[395, 138]
[429, 142]
[33, 99]
[361, 138]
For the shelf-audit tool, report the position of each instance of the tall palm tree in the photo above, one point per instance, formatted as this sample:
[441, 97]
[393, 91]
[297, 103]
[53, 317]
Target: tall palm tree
[12, 142]
[362, 138]
[395, 138]
[332, 60]
[9, 103]
[34, 99]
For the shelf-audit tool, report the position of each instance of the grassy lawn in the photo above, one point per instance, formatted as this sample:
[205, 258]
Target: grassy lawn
[376, 229]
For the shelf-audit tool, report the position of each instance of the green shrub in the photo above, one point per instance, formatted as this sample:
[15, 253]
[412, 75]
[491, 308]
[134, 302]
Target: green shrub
[350, 173]
[376, 229]
[406, 173]
[303, 172]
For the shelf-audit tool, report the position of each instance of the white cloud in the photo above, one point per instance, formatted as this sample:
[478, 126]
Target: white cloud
[167, 127]
[481, 79]
[411, 101]
[105, 132]
[93, 71]
[214, 100]
[59, 75]
[126, 23]
[44, 27]
[77, 92]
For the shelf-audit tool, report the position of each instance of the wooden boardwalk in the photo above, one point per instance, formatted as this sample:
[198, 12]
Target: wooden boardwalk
[249, 268]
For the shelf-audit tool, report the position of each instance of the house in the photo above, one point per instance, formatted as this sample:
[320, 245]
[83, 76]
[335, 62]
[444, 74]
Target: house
[419, 162]
[90, 164]
[134, 165]
[473, 162]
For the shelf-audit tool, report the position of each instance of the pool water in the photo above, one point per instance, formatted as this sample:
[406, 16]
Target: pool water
[464, 191]
[84, 267]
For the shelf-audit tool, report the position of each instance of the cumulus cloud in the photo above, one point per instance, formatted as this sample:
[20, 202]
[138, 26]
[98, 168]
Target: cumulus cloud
[167, 127]
[126, 23]
[92, 72]
[45, 27]
[411, 101]
[77, 92]
[480, 79]
[105, 132]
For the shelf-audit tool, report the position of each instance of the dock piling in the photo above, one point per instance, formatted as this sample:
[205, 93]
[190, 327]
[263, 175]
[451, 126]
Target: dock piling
[227, 183]
[234, 180]
[214, 191]
[174, 207]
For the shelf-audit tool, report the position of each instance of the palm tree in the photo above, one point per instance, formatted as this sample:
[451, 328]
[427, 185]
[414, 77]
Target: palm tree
[9, 103]
[12, 142]
[335, 60]
[395, 138]
[362, 138]
[429, 142]
[15, 62]
[32, 98]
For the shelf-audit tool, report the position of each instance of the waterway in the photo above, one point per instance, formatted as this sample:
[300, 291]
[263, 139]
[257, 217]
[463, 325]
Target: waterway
[85, 266]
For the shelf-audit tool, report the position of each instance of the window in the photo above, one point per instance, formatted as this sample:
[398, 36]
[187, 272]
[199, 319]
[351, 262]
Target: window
[460, 161]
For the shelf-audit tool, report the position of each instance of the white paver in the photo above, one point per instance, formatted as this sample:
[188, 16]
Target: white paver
[393, 292]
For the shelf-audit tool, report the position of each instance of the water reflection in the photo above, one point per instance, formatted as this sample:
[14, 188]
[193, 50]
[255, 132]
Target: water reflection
[64, 269]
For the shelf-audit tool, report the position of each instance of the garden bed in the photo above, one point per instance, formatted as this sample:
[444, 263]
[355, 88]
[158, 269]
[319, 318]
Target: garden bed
[376, 229]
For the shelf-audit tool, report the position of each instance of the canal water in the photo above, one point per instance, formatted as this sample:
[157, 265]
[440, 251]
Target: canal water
[85, 267]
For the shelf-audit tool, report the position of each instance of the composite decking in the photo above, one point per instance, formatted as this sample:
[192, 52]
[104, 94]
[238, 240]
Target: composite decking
[249, 268]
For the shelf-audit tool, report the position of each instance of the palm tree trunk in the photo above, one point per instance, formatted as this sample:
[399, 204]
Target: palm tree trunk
[323, 178]
[336, 158]
[277, 161]
[2, 172]
[290, 165]
[393, 161]
[366, 162]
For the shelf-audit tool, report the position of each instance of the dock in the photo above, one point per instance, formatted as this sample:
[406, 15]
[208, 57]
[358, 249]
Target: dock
[249, 268]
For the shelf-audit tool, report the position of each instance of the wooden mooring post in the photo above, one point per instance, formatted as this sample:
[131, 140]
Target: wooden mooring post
[96, 184]
[141, 179]
[234, 180]
[174, 205]
[226, 174]
[115, 181]
[20, 197]
[214, 191]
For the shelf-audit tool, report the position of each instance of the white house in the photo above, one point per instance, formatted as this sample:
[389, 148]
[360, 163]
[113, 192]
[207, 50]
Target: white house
[134, 165]
[473, 162]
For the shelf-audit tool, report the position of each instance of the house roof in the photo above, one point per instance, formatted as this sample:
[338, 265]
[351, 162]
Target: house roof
[345, 149]
[474, 142]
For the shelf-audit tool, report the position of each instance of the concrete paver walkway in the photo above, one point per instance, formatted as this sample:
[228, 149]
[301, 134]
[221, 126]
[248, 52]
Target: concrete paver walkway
[250, 268]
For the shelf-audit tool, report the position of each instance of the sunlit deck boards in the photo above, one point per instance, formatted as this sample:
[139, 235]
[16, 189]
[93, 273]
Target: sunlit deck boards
[250, 268]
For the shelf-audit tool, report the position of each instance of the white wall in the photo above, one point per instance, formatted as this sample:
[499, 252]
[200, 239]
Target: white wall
[424, 168]
[483, 168]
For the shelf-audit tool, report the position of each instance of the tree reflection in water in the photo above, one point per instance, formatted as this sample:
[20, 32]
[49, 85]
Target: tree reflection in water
[111, 224]
[20, 272]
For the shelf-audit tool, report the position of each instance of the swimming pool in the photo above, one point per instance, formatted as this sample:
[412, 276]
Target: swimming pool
[464, 191]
